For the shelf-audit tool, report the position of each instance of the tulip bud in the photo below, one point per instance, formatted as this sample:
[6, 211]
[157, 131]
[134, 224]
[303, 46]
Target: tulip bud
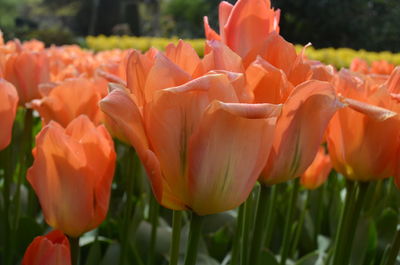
[51, 249]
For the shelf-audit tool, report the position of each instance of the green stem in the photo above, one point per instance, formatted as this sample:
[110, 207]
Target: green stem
[194, 237]
[259, 231]
[154, 212]
[299, 229]
[4, 156]
[237, 241]
[352, 210]
[288, 222]
[176, 236]
[271, 217]
[26, 157]
[320, 209]
[394, 249]
[245, 229]
[75, 249]
[129, 176]
[359, 205]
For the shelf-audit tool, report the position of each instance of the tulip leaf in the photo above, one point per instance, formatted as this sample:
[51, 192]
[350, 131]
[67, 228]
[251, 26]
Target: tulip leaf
[112, 254]
[267, 257]
[94, 255]
[386, 225]
[309, 259]
[365, 242]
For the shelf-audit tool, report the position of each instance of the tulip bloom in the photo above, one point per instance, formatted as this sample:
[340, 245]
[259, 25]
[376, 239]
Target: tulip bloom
[26, 70]
[51, 249]
[59, 102]
[245, 25]
[72, 174]
[193, 139]
[307, 109]
[317, 173]
[363, 140]
[8, 108]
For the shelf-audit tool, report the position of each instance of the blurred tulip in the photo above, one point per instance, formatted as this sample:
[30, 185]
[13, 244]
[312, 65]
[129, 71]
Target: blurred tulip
[317, 173]
[8, 108]
[59, 103]
[354, 137]
[72, 174]
[195, 148]
[245, 25]
[51, 249]
[27, 70]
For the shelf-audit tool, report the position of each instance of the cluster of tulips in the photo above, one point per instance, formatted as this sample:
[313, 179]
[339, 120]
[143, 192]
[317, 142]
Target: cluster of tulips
[247, 129]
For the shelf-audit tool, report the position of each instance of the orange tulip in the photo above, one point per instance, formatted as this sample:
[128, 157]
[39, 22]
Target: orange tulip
[27, 70]
[245, 25]
[363, 140]
[72, 174]
[8, 108]
[51, 249]
[195, 147]
[307, 109]
[64, 102]
[317, 173]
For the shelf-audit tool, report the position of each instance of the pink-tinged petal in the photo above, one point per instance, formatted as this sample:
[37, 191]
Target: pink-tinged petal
[300, 70]
[300, 130]
[137, 69]
[8, 108]
[321, 72]
[227, 153]
[209, 32]
[275, 50]
[249, 24]
[176, 113]
[183, 55]
[224, 12]
[393, 83]
[372, 111]
[238, 81]
[268, 83]
[220, 57]
[125, 114]
[163, 74]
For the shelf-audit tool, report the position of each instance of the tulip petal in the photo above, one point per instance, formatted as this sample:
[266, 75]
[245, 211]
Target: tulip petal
[63, 160]
[120, 107]
[300, 130]
[224, 11]
[209, 32]
[60, 104]
[249, 23]
[224, 163]
[163, 74]
[8, 108]
[183, 55]
[137, 69]
[176, 113]
[220, 57]
[275, 50]
[268, 83]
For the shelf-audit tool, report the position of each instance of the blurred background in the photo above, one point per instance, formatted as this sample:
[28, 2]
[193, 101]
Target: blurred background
[359, 24]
